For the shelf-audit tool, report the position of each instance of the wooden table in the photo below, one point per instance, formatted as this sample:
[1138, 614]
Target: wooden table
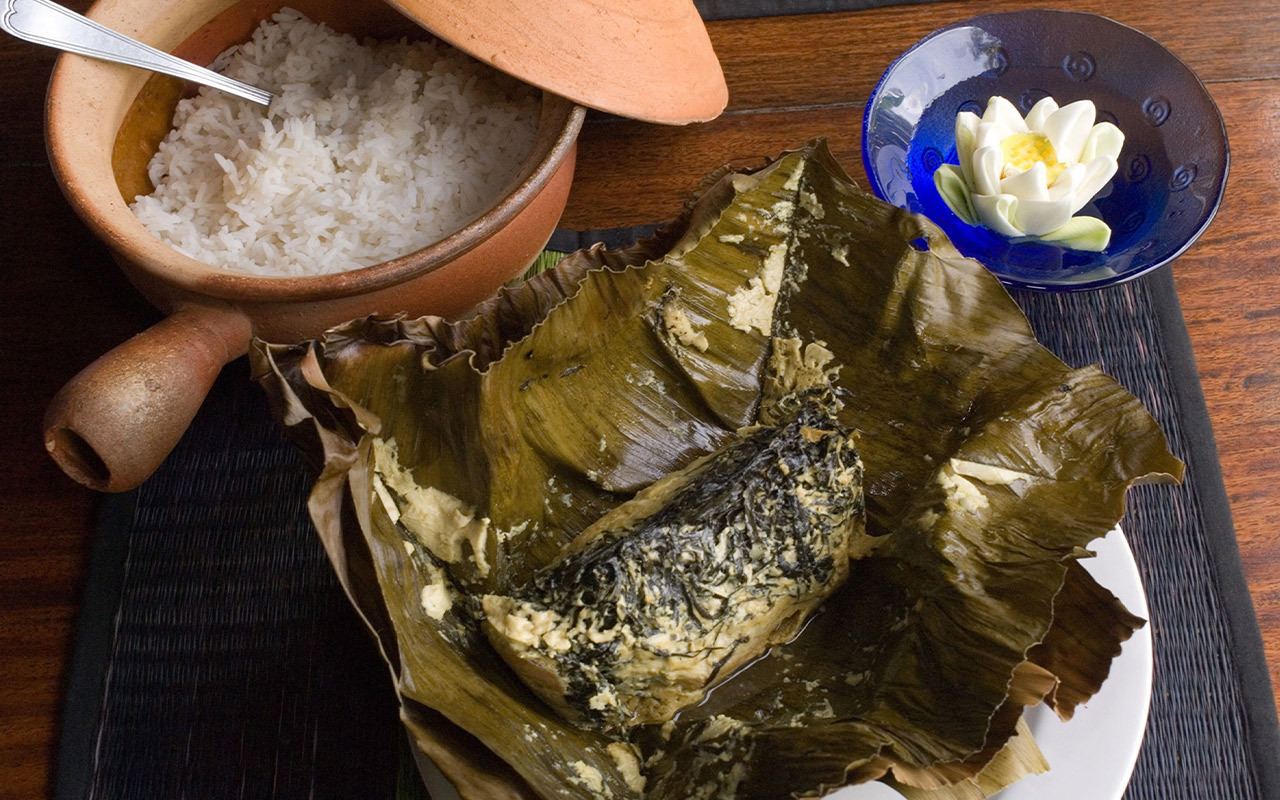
[790, 79]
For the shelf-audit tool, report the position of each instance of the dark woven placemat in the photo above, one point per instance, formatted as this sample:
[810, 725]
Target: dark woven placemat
[738, 9]
[217, 656]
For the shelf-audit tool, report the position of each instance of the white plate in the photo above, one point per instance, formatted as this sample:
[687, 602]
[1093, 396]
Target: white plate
[1090, 757]
[1093, 755]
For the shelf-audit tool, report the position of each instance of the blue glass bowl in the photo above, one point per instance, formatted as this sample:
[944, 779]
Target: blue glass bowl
[1172, 170]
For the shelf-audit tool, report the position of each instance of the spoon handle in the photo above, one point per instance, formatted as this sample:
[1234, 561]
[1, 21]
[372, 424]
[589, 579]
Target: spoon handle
[48, 23]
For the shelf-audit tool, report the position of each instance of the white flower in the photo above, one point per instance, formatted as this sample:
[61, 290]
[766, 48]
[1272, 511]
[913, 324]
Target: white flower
[1028, 177]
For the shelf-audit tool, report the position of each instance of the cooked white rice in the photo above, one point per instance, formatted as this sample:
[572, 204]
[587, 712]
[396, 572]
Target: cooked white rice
[368, 152]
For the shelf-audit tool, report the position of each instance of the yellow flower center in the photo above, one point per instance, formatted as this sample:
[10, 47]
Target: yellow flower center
[1022, 151]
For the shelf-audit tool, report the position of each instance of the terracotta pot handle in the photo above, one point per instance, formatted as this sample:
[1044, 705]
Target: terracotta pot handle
[113, 424]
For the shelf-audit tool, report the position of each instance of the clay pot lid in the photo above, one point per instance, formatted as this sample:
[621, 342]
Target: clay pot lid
[649, 60]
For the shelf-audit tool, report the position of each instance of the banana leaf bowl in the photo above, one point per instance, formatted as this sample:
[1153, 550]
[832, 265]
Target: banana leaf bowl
[459, 464]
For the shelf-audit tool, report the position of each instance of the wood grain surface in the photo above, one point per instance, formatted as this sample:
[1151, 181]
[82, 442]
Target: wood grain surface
[790, 79]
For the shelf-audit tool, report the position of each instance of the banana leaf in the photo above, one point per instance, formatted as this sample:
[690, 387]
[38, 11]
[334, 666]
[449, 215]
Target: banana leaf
[457, 460]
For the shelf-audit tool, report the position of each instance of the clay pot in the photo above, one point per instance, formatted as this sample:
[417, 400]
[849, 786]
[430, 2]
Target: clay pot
[113, 424]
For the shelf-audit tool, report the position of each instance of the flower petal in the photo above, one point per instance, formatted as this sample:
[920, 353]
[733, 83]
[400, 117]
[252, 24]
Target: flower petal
[1068, 127]
[1038, 217]
[991, 134]
[987, 162]
[1068, 182]
[954, 190]
[1082, 233]
[966, 142]
[1001, 112]
[1040, 112]
[1097, 173]
[1032, 184]
[1104, 139]
[996, 212]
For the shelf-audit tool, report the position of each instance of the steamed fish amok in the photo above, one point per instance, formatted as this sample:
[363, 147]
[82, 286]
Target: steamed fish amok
[673, 591]
[639, 484]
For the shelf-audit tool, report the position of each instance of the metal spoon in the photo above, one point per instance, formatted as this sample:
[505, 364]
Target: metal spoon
[50, 24]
